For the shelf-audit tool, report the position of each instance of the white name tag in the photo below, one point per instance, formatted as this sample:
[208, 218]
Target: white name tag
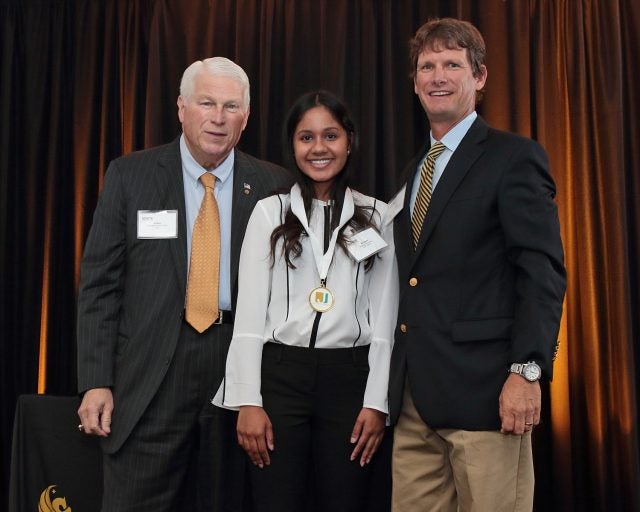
[365, 243]
[157, 223]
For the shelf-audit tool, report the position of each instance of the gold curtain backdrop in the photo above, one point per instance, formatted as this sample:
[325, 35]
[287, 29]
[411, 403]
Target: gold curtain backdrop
[84, 81]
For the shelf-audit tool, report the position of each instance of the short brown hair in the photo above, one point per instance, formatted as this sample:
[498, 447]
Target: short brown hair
[453, 34]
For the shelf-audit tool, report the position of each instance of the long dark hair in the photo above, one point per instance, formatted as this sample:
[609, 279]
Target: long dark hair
[291, 229]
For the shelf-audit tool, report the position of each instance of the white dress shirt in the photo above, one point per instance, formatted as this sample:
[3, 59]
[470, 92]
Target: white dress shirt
[273, 300]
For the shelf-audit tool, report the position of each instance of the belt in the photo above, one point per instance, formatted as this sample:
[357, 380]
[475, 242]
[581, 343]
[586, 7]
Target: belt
[224, 317]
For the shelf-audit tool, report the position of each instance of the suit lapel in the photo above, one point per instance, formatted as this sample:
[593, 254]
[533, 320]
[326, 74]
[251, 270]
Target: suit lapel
[461, 161]
[402, 222]
[402, 232]
[402, 219]
[247, 189]
[170, 184]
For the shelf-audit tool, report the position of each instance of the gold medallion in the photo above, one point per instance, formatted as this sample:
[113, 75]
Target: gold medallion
[321, 299]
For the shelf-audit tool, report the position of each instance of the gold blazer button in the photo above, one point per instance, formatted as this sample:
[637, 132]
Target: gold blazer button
[413, 281]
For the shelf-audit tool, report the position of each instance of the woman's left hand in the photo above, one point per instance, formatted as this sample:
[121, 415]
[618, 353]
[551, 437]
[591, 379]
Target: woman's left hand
[367, 434]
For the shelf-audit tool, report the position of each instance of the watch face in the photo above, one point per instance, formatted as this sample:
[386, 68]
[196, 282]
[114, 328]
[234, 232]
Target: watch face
[531, 372]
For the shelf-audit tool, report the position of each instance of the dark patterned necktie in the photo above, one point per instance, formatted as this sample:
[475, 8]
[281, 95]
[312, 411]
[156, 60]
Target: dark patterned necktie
[423, 198]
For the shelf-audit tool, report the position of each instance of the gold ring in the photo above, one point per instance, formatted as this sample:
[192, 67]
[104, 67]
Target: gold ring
[81, 427]
[528, 424]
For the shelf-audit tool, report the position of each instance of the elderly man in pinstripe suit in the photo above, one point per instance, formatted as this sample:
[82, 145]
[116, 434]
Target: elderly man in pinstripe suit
[145, 374]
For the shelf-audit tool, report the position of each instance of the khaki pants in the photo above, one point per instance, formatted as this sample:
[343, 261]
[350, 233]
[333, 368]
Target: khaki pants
[446, 470]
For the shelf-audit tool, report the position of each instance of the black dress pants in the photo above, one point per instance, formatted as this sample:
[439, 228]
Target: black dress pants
[312, 397]
[183, 454]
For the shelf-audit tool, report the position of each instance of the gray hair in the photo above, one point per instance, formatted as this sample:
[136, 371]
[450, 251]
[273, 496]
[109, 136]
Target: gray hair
[220, 66]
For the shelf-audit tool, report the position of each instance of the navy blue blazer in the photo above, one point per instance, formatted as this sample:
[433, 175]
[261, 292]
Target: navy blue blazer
[484, 287]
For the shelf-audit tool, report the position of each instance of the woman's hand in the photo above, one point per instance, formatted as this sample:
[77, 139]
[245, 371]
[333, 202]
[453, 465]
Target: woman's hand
[367, 433]
[255, 434]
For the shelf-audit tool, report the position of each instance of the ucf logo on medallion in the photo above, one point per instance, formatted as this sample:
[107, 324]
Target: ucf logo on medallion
[321, 299]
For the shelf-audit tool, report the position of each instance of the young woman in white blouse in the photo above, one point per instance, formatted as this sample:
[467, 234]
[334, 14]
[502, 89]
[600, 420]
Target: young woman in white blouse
[308, 364]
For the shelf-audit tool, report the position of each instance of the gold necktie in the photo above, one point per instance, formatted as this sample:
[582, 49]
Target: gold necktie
[204, 268]
[423, 198]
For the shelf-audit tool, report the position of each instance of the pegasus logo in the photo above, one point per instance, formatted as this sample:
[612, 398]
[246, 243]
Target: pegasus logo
[49, 502]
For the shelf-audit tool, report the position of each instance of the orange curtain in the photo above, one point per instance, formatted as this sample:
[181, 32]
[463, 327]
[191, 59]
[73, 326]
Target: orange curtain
[589, 120]
[83, 82]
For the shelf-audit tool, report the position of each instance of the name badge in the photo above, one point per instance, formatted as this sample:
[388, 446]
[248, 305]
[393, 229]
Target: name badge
[157, 224]
[365, 244]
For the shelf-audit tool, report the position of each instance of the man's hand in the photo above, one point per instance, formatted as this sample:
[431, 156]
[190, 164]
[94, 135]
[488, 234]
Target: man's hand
[367, 433]
[255, 434]
[519, 405]
[95, 412]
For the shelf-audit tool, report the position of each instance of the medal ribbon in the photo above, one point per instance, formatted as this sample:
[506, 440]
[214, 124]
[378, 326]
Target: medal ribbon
[322, 259]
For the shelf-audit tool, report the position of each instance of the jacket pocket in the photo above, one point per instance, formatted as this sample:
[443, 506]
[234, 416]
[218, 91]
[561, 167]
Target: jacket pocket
[476, 330]
[122, 345]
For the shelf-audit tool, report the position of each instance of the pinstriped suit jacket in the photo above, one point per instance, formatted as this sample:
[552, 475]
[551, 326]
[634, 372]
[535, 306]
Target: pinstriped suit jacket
[132, 291]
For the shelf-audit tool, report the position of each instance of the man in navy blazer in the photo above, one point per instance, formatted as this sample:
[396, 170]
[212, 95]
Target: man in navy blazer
[482, 282]
[146, 375]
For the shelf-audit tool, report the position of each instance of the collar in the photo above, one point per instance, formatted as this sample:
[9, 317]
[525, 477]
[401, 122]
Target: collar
[453, 137]
[193, 170]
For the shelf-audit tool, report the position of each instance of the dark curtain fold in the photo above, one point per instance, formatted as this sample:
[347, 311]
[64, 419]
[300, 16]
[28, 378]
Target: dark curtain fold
[83, 81]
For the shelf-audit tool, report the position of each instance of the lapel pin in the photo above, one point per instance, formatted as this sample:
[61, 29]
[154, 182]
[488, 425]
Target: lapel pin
[246, 189]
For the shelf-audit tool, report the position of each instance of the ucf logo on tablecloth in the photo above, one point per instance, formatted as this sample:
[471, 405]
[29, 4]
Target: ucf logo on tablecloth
[49, 502]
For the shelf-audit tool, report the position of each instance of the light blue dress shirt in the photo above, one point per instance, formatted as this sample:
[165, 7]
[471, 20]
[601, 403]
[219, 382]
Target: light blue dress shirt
[193, 194]
[451, 141]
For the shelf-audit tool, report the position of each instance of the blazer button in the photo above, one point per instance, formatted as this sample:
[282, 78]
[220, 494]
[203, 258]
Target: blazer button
[413, 281]
[403, 328]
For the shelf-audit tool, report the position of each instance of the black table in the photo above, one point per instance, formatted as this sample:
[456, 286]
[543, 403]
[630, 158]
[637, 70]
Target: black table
[53, 465]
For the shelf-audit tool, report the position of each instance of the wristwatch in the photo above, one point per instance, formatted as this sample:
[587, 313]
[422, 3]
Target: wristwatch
[530, 371]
